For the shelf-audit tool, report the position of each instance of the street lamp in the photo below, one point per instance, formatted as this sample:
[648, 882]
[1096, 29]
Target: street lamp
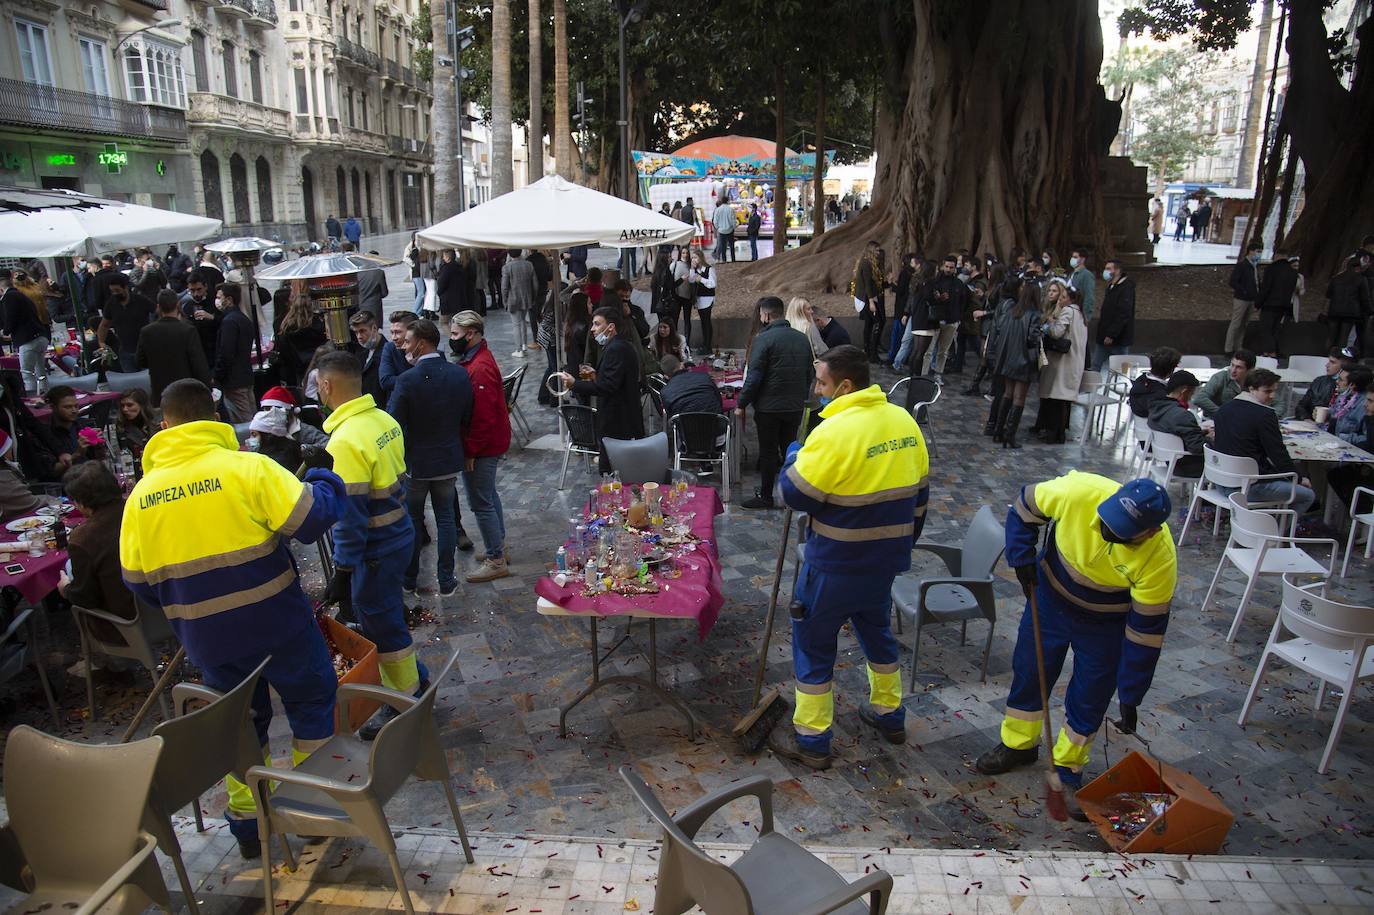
[629, 13]
[161, 24]
[459, 40]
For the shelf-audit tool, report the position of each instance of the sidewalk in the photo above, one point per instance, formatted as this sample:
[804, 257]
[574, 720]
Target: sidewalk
[1188, 253]
[562, 875]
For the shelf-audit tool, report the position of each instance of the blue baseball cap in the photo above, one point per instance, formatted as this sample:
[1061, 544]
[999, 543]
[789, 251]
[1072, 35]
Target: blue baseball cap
[1135, 508]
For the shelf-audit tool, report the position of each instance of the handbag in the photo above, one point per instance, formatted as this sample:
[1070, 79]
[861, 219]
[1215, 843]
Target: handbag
[685, 290]
[1056, 344]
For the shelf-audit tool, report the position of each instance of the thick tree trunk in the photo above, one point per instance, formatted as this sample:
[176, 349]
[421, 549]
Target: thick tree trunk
[780, 162]
[502, 166]
[818, 178]
[535, 131]
[1332, 130]
[562, 116]
[1254, 110]
[985, 137]
[443, 120]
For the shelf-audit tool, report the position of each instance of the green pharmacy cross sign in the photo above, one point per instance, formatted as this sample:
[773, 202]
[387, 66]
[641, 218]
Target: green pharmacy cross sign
[113, 158]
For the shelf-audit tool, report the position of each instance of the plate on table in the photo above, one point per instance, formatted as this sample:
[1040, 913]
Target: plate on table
[50, 511]
[27, 524]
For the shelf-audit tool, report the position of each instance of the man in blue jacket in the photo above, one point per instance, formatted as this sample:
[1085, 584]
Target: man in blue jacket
[393, 357]
[432, 403]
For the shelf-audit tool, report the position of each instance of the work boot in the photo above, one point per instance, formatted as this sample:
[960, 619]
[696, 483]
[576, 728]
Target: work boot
[489, 570]
[1071, 804]
[991, 426]
[890, 734]
[783, 741]
[373, 726]
[1002, 758]
[1009, 429]
[999, 429]
[758, 501]
[245, 832]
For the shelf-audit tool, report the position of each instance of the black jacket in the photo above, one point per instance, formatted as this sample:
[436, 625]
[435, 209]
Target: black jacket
[1168, 415]
[432, 403]
[1319, 394]
[1117, 319]
[947, 295]
[1277, 288]
[234, 351]
[208, 330]
[21, 318]
[1145, 390]
[616, 389]
[779, 375]
[1245, 280]
[170, 350]
[449, 288]
[1246, 428]
[372, 370]
[691, 392]
[1348, 296]
[371, 291]
[751, 228]
[834, 334]
[129, 318]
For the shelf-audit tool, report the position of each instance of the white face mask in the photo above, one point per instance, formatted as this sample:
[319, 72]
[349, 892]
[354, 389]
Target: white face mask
[602, 339]
[1073, 262]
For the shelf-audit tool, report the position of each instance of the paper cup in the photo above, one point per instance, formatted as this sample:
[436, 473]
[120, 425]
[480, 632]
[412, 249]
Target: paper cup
[1321, 414]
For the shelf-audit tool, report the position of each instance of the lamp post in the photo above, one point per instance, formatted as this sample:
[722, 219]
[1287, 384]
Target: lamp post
[459, 41]
[628, 13]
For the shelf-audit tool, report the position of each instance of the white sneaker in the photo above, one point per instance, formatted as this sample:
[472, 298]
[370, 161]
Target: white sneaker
[518, 354]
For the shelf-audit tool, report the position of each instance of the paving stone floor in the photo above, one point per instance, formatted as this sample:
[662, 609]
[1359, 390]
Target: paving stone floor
[499, 713]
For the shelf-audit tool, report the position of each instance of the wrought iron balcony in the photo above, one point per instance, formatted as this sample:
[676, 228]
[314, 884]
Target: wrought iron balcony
[30, 105]
[357, 54]
[240, 8]
[264, 14]
[408, 76]
[393, 70]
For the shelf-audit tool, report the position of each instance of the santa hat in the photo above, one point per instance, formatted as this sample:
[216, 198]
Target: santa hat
[278, 397]
[278, 421]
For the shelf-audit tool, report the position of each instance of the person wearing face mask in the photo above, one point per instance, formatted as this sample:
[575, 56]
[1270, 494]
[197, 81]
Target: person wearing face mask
[615, 381]
[1245, 285]
[1116, 326]
[128, 313]
[862, 480]
[233, 372]
[1102, 585]
[486, 439]
[170, 348]
[367, 346]
[1083, 282]
[198, 308]
[233, 598]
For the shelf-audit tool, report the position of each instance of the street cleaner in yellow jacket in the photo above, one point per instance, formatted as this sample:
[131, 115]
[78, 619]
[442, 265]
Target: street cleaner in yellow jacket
[373, 538]
[1103, 584]
[204, 538]
[861, 479]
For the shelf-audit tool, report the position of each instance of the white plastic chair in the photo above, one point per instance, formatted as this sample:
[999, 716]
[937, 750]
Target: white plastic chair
[1356, 519]
[1258, 547]
[1331, 641]
[1267, 362]
[1232, 472]
[1095, 397]
[1166, 450]
[1194, 362]
[1118, 380]
[1311, 366]
[1142, 437]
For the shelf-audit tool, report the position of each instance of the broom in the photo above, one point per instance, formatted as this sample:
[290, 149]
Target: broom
[753, 729]
[1055, 804]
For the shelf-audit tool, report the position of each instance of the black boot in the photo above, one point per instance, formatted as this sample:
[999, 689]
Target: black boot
[1003, 758]
[1009, 429]
[999, 427]
[993, 418]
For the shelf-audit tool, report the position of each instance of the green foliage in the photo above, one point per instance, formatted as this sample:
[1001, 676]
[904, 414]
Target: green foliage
[424, 63]
[1214, 24]
[1172, 133]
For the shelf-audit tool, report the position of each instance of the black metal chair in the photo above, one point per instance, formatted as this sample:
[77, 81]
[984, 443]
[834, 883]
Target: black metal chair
[511, 385]
[922, 395]
[580, 422]
[703, 438]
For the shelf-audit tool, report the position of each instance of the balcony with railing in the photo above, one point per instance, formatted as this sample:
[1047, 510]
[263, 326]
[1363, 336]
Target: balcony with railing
[408, 76]
[355, 53]
[47, 107]
[264, 14]
[239, 9]
[211, 110]
[393, 71]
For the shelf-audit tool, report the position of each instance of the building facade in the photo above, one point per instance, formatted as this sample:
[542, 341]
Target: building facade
[268, 114]
[93, 98]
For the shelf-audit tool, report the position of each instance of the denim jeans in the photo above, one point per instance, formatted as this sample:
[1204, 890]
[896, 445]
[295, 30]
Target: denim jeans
[485, 503]
[33, 365]
[904, 349]
[128, 362]
[419, 284]
[1101, 352]
[443, 494]
[1277, 491]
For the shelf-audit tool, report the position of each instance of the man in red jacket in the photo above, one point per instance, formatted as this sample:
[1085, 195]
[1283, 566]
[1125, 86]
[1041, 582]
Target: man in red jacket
[485, 441]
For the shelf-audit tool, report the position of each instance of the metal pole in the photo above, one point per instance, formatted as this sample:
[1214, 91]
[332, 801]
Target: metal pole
[457, 98]
[582, 126]
[624, 142]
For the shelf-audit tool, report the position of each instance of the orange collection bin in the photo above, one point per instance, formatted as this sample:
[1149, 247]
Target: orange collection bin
[360, 650]
[1194, 823]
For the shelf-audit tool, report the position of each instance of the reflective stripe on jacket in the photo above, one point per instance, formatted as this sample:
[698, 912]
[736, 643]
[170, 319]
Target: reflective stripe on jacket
[861, 476]
[202, 538]
[1091, 575]
[369, 455]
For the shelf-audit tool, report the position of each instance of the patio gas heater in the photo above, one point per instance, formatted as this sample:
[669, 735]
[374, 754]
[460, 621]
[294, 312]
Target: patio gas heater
[331, 281]
[245, 254]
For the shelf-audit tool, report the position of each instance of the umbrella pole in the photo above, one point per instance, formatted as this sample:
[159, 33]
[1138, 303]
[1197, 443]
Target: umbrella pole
[254, 305]
[559, 356]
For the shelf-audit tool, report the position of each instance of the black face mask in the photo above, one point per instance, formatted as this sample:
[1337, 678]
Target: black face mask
[1110, 535]
[458, 345]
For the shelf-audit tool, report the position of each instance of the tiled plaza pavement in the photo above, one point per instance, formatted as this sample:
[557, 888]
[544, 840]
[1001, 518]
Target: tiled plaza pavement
[499, 712]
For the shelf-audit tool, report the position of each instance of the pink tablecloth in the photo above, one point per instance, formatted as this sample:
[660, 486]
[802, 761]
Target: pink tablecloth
[41, 573]
[695, 595]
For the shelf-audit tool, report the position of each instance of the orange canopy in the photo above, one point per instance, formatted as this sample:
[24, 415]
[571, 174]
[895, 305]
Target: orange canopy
[731, 147]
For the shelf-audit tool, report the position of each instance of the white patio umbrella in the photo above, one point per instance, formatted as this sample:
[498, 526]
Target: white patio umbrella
[57, 223]
[554, 213]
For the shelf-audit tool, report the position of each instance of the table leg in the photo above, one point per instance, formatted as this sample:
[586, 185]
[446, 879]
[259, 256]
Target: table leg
[652, 683]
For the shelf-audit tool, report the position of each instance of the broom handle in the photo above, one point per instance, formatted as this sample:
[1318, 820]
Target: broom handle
[772, 606]
[158, 689]
[1040, 668]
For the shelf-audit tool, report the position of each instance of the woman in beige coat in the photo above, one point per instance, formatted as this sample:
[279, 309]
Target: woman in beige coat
[1059, 379]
